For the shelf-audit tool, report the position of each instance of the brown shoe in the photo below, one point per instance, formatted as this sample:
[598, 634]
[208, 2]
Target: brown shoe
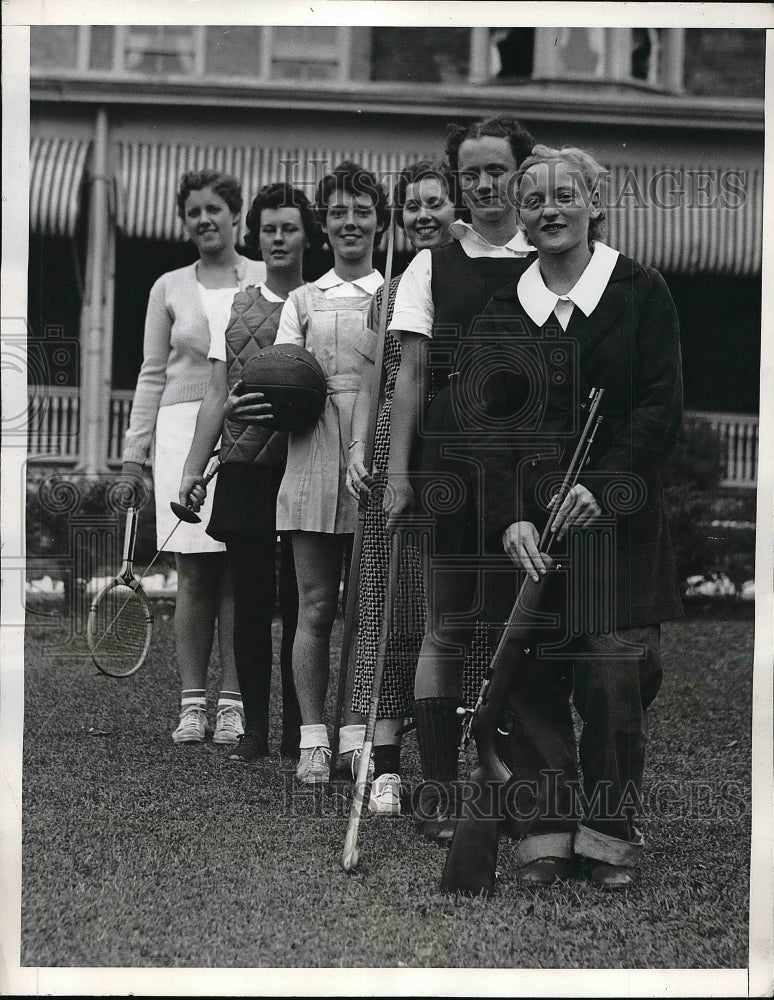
[607, 876]
[543, 872]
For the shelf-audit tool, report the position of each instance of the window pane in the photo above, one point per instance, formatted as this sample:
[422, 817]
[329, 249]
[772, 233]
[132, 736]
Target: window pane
[233, 50]
[422, 55]
[159, 49]
[54, 46]
[295, 69]
[581, 51]
[101, 47]
[298, 38]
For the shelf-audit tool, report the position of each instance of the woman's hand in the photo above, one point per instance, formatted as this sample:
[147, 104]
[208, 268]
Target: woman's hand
[520, 541]
[398, 500]
[193, 491]
[359, 480]
[246, 407]
[580, 508]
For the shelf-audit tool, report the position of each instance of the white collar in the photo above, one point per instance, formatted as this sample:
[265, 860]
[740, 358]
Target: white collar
[369, 283]
[465, 233]
[539, 301]
[268, 294]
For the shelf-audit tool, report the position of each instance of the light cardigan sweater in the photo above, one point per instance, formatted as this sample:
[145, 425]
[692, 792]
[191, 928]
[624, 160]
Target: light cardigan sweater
[175, 367]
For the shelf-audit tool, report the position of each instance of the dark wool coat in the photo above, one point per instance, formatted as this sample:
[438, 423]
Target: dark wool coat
[537, 376]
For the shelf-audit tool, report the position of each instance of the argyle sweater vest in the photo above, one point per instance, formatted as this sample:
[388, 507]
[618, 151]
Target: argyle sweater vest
[253, 325]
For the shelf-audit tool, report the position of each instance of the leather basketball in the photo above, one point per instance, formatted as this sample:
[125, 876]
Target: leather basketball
[292, 380]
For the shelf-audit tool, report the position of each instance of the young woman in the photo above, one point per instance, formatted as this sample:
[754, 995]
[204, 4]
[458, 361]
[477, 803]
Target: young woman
[281, 224]
[441, 293]
[185, 309]
[620, 318]
[425, 211]
[330, 318]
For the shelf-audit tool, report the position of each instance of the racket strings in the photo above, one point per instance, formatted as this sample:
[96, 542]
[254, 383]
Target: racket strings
[119, 627]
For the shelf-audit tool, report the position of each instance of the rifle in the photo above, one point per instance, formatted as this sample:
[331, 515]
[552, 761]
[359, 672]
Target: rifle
[471, 861]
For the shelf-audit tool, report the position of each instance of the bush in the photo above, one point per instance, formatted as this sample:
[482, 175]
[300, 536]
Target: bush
[704, 542]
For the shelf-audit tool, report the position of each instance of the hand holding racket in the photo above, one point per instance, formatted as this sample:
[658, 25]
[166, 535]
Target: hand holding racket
[120, 622]
[193, 490]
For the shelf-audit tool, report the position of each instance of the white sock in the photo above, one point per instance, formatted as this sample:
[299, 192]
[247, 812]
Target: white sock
[193, 696]
[351, 738]
[314, 736]
[226, 702]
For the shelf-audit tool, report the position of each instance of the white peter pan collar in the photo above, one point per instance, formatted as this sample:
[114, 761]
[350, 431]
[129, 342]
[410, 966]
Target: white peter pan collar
[469, 237]
[370, 283]
[539, 301]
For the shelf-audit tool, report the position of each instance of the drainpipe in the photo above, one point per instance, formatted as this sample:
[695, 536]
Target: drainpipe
[94, 398]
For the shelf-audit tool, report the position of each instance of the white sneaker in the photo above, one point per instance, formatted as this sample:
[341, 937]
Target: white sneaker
[229, 725]
[314, 765]
[192, 725]
[385, 795]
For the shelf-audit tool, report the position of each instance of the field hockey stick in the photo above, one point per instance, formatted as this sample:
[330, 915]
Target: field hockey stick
[349, 857]
[353, 580]
[120, 623]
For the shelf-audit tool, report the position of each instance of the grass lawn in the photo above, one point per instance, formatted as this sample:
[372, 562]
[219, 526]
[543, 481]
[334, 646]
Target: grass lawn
[140, 853]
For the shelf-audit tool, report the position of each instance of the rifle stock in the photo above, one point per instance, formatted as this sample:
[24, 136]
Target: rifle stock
[471, 862]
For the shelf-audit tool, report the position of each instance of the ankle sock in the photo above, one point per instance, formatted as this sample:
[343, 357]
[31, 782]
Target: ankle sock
[193, 696]
[351, 738]
[314, 736]
[230, 699]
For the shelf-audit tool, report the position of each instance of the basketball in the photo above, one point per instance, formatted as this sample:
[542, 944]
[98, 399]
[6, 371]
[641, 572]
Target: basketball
[292, 380]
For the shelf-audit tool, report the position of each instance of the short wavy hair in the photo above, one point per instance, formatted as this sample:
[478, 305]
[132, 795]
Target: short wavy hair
[224, 185]
[416, 172]
[349, 177]
[281, 195]
[585, 165]
[498, 126]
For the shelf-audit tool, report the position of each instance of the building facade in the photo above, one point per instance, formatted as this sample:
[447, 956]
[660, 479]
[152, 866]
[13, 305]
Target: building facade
[119, 112]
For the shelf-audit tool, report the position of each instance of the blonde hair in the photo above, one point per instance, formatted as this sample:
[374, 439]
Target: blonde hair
[592, 172]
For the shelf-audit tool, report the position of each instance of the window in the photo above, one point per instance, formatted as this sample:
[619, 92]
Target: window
[307, 53]
[421, 55]
[54, 47]
[159, 49]
[234, 50]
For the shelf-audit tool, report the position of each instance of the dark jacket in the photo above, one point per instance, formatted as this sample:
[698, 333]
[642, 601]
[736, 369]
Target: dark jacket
[630, 347]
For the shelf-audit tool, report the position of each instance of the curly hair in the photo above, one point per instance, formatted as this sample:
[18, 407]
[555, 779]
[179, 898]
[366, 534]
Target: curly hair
[224, 185]
[281, 195]
[417, 172]
[499, 126]
[350, 178]
[583, 165]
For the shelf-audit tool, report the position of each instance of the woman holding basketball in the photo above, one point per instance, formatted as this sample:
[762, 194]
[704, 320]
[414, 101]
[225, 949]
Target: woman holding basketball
[330, 319]
[425, 211]
[185, 309]
[282, 226]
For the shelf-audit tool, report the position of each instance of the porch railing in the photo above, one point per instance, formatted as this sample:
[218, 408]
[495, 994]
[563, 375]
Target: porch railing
[54, 425]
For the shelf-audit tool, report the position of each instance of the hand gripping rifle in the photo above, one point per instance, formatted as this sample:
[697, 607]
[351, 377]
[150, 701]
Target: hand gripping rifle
[471, 861]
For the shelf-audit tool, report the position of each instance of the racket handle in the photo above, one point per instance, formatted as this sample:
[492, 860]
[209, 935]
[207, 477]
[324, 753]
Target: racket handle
[130, 534]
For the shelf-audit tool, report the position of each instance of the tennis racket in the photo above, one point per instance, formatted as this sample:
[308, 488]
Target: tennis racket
[120, 623]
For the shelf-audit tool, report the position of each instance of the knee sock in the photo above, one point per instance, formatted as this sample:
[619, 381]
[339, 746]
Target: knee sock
[386, 759]
[351, 738]
[438, 734]
[193, 696]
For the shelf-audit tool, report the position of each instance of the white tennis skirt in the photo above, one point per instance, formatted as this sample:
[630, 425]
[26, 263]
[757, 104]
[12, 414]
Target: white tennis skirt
[174, 434]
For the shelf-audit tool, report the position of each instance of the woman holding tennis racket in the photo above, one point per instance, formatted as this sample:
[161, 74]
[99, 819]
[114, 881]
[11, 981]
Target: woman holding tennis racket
[281, 225]
[184, 309]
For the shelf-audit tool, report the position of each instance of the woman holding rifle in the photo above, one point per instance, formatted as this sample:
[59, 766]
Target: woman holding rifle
[616, 326]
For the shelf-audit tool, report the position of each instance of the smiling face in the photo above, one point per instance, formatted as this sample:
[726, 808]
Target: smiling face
[282, 238]
[487, 168]
[556, 207]
[209, 222]
[351, 226]
[427, 213]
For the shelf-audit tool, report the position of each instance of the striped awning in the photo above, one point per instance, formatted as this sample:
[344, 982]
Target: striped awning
[688, 219]
[681, 219]
[149, 174]
[57, 169]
